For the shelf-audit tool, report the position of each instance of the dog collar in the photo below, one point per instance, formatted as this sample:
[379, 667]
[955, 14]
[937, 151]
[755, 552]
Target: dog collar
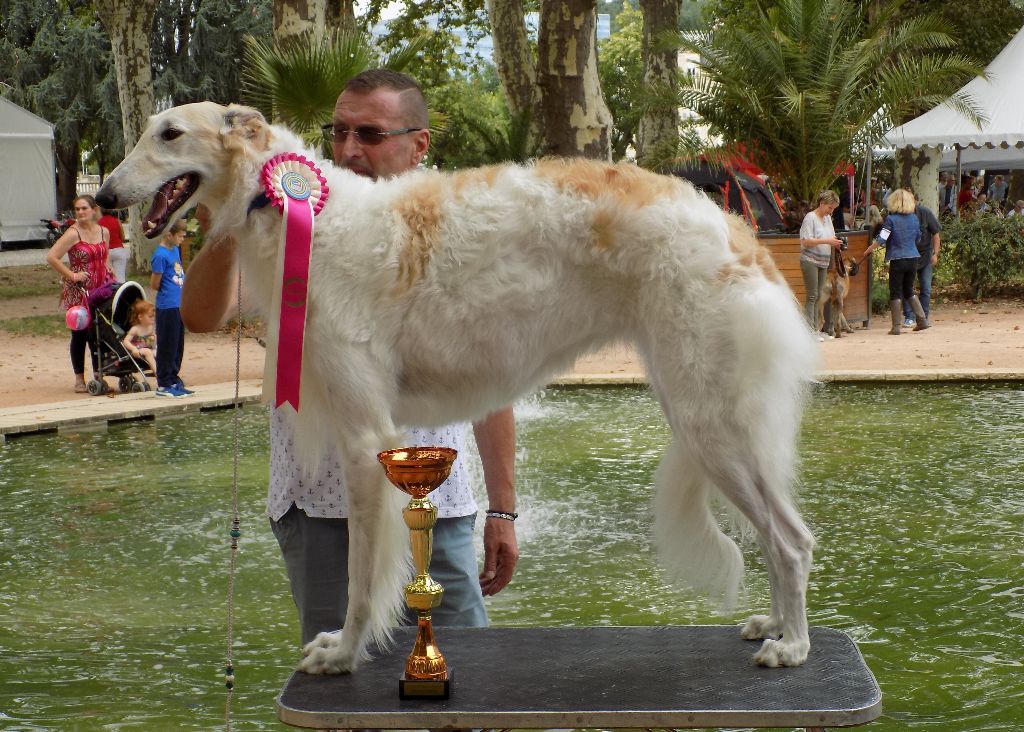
[261, 201]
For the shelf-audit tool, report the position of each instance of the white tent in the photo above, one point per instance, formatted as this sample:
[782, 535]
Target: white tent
[1000, 141]
[28, 188]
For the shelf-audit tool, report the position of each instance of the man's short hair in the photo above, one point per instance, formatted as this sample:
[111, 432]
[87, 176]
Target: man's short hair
[414, 104]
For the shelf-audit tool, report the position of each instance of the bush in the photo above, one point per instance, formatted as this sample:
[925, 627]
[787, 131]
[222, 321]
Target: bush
[983, 253]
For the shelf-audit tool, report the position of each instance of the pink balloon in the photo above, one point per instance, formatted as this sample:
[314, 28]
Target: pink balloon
[77, 317]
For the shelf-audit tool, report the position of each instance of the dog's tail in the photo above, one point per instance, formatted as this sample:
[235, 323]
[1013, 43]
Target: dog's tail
[392, 569]
[694, 549]
[735, 410]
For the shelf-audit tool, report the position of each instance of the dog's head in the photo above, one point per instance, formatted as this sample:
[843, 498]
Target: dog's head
[188, 155]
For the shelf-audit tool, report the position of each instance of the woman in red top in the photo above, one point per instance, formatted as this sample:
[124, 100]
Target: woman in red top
[85, 244]
[118, 254]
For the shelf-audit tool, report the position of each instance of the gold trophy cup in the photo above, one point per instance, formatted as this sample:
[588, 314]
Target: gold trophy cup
[417, 471]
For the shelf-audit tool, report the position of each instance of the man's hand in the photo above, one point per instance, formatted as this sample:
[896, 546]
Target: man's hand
[501, 552]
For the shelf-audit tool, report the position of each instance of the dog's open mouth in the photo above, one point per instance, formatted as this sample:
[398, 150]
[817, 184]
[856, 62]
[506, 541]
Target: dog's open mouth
[172, 195]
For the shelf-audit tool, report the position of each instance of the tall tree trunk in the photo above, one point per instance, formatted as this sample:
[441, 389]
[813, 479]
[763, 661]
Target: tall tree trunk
[514, 60]
[340, 15]
[658, 136]
[128, 23]
[295, 17]
[918, 169]
[66, 154]
[576, 119]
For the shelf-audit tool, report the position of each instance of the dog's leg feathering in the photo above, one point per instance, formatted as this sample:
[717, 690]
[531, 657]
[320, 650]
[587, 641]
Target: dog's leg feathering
[377, 566]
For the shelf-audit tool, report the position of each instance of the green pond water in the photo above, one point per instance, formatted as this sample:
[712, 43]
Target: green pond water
[114, 555]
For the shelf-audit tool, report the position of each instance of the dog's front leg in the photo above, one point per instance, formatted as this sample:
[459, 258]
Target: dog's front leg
[376, 569]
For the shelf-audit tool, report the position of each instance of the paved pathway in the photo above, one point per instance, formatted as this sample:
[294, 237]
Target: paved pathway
[101, 411]
[104, 410]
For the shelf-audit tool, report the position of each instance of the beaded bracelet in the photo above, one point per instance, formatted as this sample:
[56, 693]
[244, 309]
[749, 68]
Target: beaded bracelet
[508, 516]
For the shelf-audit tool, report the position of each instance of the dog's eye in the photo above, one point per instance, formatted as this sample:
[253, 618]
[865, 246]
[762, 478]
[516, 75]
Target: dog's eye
[170, 134]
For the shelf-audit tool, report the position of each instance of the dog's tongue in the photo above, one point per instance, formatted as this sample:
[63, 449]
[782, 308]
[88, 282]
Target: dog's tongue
[155, 219]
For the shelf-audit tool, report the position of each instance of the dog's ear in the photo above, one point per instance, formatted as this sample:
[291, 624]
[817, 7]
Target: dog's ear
[244, 127]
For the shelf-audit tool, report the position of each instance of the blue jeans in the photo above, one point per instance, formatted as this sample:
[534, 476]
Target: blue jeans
[924, 276]
[315, 552]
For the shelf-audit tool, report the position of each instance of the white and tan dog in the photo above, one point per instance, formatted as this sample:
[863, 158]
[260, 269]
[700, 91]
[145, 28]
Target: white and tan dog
[437, 297]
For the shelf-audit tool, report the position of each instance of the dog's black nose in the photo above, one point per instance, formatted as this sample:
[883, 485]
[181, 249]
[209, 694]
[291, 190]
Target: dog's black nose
[105, 198]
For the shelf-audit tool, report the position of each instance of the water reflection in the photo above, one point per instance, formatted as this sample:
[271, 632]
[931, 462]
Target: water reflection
[115, 551]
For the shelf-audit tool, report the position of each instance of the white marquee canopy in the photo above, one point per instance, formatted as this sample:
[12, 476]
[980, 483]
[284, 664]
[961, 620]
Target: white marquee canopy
[999, 143]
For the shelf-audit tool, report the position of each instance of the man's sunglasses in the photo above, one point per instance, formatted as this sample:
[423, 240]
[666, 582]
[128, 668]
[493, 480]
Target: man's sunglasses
[365, 135]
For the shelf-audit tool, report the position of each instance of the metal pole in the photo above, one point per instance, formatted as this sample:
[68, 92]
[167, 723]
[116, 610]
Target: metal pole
[959, 179]
[867, 182]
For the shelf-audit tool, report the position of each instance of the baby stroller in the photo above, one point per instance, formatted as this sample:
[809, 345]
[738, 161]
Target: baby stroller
[110, 310]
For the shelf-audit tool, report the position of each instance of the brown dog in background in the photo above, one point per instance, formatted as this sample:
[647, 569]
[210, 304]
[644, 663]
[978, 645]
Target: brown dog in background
[837, 284]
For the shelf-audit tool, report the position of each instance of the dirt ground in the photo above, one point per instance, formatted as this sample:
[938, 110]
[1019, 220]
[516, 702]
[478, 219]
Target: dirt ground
[36, 370]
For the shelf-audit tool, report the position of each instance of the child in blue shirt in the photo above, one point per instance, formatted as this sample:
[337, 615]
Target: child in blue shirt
[166, 281]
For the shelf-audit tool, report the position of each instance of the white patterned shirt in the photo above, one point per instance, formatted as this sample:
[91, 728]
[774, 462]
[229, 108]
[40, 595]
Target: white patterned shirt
[324, 496]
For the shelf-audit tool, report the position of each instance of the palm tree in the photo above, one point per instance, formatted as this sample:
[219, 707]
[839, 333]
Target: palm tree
[296, 81]
[807, 84]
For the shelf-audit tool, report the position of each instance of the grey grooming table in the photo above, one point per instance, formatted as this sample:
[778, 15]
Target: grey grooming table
[543, 678]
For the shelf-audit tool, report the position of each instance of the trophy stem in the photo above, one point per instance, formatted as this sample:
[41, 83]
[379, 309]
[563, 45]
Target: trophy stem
[417, 471]
[423, 594]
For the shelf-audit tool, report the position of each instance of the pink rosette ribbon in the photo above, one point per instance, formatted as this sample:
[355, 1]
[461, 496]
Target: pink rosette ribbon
[296, 186]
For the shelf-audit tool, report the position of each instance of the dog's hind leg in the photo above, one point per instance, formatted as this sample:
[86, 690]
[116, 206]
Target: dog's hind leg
[733, 393]
[376, 570]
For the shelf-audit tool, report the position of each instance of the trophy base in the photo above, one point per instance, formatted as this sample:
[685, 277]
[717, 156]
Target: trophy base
[425, 688]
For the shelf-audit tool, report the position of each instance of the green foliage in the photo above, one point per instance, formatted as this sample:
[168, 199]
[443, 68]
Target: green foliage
[480, 129]
[195, 47]
[434, 20]
[879, 283]
[693, 13]
[28, 281]
[621, 71]
[297, 81]
[55, 61]
[804, 85]
[985, 252]
[981, 27]
[35, 325]
[55, 57]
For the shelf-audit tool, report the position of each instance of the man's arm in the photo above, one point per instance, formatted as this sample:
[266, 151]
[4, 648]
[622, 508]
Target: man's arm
[936, 245]
[209, 289]
[496, 441]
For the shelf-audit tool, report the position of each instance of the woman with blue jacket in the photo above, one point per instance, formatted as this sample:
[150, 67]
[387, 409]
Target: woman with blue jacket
[899, 234]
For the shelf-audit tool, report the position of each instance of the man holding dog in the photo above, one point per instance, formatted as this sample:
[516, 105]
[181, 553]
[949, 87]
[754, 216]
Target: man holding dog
[379, 130]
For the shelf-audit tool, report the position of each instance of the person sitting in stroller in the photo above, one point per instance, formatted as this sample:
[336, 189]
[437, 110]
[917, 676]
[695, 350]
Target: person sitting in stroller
[140, 340]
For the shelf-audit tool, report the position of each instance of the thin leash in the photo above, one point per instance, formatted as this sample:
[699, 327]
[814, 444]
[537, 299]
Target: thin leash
[229, 666]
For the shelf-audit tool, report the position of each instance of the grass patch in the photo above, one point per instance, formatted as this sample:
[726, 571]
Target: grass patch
[35, 325]
[28, 281]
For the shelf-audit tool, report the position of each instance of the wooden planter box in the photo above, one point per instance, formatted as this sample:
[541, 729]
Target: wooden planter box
[785, 250]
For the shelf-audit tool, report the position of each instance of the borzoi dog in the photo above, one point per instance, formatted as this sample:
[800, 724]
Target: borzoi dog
[438, 297]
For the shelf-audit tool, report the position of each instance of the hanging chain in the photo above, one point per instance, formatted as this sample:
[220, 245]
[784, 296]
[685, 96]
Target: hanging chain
[229, 666]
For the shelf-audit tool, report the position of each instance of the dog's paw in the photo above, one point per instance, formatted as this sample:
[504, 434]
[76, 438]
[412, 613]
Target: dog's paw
[325, 655]
[761, 626]
[775, 653]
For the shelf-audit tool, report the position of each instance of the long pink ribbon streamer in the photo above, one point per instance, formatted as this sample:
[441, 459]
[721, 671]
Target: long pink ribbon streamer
[298, 238]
